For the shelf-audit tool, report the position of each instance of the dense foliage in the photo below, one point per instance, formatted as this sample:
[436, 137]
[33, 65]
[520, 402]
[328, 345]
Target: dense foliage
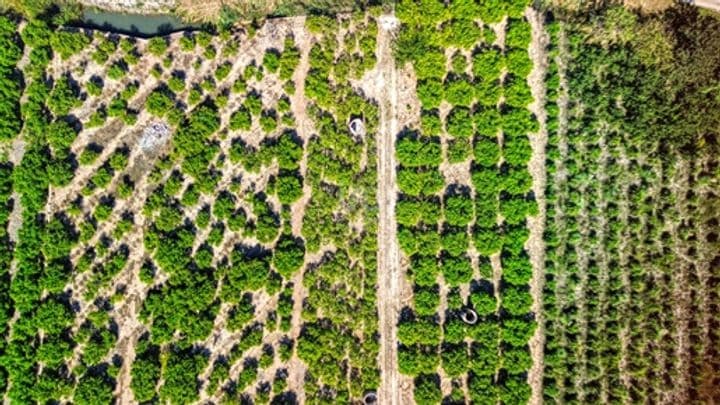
[620, 176]
[452, 232]
[339, 341]
[9, 79]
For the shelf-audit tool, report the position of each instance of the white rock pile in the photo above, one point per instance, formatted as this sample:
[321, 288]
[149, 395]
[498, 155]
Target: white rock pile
[154, 136]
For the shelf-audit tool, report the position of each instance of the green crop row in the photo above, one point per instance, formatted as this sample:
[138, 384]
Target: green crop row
[11, 124]
[339, 340]
[10, 84]
[620, 220]
[442, 226]
[42, 334]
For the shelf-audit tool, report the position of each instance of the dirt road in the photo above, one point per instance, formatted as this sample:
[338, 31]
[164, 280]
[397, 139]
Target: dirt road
[388, 251]
[535, 245]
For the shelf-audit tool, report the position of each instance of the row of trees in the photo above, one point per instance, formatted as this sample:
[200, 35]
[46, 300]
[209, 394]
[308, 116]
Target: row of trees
[10, 125]
[503, 200]
[11, 79]
[610, 200]
[30, 181]
[339, 341]
[489, 66]
[431, 26]
[42, 251]
[439, 223]
[6, 252]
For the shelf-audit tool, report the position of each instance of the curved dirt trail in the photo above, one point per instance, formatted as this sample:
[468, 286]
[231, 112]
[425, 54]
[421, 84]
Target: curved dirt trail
[386, 92]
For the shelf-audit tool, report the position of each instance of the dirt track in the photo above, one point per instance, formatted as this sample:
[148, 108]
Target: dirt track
[535, 244]
[388, 251]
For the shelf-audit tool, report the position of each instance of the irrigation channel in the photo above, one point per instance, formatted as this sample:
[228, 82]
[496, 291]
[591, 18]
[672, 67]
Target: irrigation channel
[142, 25]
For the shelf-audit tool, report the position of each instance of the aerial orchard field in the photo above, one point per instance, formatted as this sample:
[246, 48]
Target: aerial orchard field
[459, 202]
[195, 225]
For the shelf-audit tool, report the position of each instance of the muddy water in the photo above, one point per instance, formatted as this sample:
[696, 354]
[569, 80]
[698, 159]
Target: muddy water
[136, 24]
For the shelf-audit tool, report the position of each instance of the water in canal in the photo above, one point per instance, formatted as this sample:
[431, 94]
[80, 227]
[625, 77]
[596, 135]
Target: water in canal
[146, 25]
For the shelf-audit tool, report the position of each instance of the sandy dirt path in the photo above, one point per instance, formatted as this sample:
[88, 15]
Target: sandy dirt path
[297, 369]
[388, 249]
[535, 245]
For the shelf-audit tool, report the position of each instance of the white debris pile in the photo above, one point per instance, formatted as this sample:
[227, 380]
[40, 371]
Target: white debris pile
[389, 22]
[154, 136]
